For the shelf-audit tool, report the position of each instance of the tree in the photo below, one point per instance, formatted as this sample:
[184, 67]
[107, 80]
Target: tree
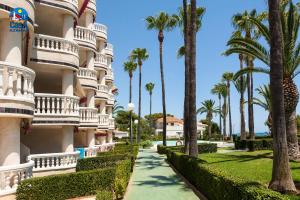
[291, 47]
[209, 108]
[281, 175]
[241, 86]
[130, 67]
[228, 78]
[116, 108]
[162, 22]
[242, 24]
[149, 87]
[221, 90]
[139, 55]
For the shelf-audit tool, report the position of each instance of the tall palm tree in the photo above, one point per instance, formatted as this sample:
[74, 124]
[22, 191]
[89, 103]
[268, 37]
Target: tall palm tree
[241, 86]
[130, 67]
[281, 175]
[209, 108]
[290, 20]
[228, 78]
[162, 22]
[139, 55]
[216, 91]
[243, 25]
[150, 87]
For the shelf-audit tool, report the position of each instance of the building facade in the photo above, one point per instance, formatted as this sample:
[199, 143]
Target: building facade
[56, 87]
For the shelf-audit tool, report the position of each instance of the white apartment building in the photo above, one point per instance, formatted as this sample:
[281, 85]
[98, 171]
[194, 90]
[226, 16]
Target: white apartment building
[56, 85]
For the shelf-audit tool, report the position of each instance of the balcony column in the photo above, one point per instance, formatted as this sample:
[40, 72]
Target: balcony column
[67, 139]
[9, 141]
[90, 60]
[90, 137]
[102, 77]
[109, 137]
[67, 82]
[10, 44]
[109, 111]
[103, 107]
[91, 99]
[68, 31]
[89, 20]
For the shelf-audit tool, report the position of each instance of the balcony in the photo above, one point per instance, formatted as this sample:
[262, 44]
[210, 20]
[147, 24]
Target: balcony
[111, 124]
[102, 92]
[109, 50]
[88, 117]
[92, 151]
[110, 99]
[101, 31]
[11, 176]
[16, 90]
[54, 51]
[56, 109]
[101, 61]
[109, 75]
[87, 78]
[92, 6]
[85, 37]
[53, 161]
[103, 121]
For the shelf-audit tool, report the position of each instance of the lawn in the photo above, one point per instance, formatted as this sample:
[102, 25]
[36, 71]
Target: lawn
[252, 166]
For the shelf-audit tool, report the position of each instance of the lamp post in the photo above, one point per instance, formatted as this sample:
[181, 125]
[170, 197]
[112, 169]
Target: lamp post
[130, 109]
[136, 122]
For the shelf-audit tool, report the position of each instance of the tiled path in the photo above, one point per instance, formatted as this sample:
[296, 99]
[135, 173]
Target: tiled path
[154, 179]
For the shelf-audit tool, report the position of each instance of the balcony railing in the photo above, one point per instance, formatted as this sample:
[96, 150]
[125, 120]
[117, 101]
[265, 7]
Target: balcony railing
[56, 105]
[92, 151]
[85, 35]
[103, 121]
[88, 115]
[101, 60]
[101, 30]
[103, 88]
[16, 82]
[109, 75]
[55, 44]
[112, 123]
[87, 73]
[11, 176]
[109, 49]
[54, 161]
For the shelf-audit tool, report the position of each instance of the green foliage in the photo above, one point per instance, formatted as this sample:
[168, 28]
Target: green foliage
[123, 172]
[146, 144]
[202, 148]
[104, 195]
[254, 145]
[66, 186]
[216, 184]
[298, 123]
[156, 116]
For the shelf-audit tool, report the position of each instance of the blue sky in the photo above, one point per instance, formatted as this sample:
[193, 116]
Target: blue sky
[125, 21]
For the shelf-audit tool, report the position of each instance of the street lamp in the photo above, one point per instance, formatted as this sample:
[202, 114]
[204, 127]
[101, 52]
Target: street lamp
[130, 109]
[136, 122]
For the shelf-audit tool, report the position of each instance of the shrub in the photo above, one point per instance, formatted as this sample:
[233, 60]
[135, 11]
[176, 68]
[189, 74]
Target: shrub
[146, 144]
[215, 185]
[66, 186]
[104, 195]
[123, 171]
[254, 145]
[202, 148]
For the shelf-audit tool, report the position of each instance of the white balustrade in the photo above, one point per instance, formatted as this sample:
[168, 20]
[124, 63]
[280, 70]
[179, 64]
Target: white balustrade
[11, 176]
[56, 104]
[112, 123]
[85, 35]
[100, 28]
[103, 120]
[16, 82]
[111, 96]
[92, 151]
[88, 115]
[110, 74]
[101, 59]
[56, 44]
[54, 161]
[74, 2]
[87, 73]
[103, 88]
[109, 47]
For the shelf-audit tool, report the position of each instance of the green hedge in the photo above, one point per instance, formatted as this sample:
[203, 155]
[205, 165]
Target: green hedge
[123, 172]
[61, 187]
[202, 148]
[104, 195]
[254, 145]
[215, 185]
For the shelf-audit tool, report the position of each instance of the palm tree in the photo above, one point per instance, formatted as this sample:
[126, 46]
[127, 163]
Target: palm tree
[149, 87]
[216, 91]
[281, 176]
[209, 108]
[228, 77]
[241, 86]
[290, 21]
[162, 22]
[117, 108]
[130, 67]
[139, 55]
[242, 24]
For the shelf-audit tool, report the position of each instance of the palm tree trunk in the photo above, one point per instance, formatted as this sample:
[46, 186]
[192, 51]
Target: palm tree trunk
[224, 118]
[161, 39]
[209, 127]
[292, 139]
[220, 114]
[130, 101]
[229, 107]
[251, 111]
[242, 112]
[192, 98]
[140, 105]
[281, 175]
[151, 122]
[186, 82]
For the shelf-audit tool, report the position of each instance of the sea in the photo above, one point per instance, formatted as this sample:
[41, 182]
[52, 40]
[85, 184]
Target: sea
[257, 134]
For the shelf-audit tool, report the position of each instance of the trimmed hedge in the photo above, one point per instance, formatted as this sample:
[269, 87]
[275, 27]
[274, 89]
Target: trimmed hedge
[254, 145]
[66, 186]
[215, 185]
[104, 195]
[202, 148]
[123, 172]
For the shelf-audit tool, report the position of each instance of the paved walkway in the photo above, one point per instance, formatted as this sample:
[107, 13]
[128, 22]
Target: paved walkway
[154, 179]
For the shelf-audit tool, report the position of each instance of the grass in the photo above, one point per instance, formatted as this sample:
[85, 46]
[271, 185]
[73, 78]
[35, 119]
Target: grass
[252, 166]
